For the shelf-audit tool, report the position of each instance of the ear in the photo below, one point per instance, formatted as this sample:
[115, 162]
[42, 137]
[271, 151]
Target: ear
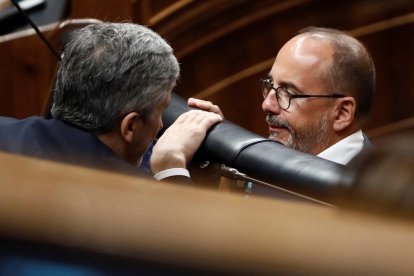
[129, 126]
[344, 113]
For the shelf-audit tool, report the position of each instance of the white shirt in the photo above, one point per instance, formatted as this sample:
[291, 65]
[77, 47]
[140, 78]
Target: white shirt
[346, 149]
[171, 172]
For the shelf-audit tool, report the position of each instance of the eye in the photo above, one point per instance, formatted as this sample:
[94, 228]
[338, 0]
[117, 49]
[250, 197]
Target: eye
[286, 91]
[267, 86]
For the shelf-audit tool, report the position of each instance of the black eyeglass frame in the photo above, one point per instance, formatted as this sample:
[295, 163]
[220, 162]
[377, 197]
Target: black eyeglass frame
[265, 82]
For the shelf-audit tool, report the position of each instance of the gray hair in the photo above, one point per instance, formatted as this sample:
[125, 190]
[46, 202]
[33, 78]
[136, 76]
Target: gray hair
[109, 70]
[352, 69]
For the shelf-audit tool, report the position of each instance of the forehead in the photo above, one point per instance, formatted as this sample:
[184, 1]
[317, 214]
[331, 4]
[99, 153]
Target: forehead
[302, 61]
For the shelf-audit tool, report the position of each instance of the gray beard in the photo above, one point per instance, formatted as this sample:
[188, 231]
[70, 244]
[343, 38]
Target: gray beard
[303, 140]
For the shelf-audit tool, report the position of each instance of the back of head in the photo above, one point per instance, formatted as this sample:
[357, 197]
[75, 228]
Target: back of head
[109, 70]
[352, 71]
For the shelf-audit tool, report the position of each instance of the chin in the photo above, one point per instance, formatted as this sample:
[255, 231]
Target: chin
[274, 137]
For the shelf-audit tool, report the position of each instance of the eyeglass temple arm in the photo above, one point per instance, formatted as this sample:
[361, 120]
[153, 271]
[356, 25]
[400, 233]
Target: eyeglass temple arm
[318, 96]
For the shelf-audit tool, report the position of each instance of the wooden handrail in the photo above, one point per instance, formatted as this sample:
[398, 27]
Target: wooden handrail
[393, 128]
[82, 208]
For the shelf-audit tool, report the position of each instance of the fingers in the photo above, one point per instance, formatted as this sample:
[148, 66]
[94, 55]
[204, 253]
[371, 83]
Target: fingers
[205, 105]
[198, 119]
[176, 147]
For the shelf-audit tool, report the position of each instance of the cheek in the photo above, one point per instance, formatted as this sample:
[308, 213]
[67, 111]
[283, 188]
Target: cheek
[295, 121]
[303, 121]
[299, 121]
[155, 127]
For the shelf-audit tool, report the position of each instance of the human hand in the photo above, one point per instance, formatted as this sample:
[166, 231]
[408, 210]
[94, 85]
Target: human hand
[176, 147]
[205, 105]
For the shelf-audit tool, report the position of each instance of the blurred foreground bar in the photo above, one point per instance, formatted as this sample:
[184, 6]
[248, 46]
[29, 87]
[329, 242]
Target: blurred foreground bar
[191, 229]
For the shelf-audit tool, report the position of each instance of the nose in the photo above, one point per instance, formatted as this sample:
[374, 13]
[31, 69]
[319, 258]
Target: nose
[270, 104]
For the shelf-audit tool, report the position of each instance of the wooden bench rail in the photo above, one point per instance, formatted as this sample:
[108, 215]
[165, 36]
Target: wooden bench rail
[189, 227]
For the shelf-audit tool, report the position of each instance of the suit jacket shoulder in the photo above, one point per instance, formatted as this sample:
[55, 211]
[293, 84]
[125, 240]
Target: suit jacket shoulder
[55, 140]
[359, 159]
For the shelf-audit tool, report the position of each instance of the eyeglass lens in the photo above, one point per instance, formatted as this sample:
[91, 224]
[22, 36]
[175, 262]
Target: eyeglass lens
[282, 96]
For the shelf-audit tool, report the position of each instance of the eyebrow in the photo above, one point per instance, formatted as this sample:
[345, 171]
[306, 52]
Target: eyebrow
[289, 85]
[286, 84]
[268, 76]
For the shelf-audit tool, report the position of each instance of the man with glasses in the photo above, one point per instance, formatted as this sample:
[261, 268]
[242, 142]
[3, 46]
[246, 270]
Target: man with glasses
[317, 94]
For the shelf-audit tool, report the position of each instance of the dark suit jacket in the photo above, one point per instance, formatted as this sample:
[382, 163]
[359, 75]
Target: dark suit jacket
[359, 159]
[55, 140]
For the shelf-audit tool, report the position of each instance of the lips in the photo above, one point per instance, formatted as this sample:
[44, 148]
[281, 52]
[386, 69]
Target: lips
[279, 128]
[276, 125]
[276, 128]
[277, 132]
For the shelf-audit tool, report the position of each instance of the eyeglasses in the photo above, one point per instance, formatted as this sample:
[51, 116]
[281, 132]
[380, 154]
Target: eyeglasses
[284, 96]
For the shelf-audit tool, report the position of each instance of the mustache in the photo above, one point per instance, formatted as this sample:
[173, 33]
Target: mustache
[276, 121]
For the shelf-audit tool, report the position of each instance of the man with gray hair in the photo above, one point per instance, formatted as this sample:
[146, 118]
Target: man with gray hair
[113, 84]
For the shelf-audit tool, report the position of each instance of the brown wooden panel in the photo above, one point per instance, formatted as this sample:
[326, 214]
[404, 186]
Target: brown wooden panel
[26, 71]
[215, 49]
[147, 11]
[226, 46]
[106, 10]
[394, 99]
[195, 17]
[27, 68]
[204, 230]
[404, 126]
[393, 54]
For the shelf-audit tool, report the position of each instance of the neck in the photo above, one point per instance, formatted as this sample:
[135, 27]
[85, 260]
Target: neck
[338, 136]
[111, 140]
[348, 131]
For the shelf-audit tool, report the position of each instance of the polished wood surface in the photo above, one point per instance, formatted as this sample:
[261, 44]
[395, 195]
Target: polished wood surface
[157, 222]
[27, 68]
[106, 10]
[225, 47]
[225, 52]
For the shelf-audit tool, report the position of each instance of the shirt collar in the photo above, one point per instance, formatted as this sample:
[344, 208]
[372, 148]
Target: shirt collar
[344, 150]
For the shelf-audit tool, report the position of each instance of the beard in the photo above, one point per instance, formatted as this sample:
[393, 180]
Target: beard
[304, 139]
